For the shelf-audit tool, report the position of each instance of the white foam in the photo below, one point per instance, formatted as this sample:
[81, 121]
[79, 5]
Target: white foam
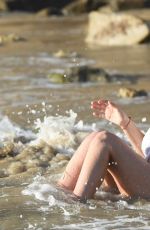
[9, 131]
[58, 130]
[41, 191]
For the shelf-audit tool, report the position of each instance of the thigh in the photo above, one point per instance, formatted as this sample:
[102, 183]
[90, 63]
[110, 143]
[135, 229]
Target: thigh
[74, 166]
[131, 171]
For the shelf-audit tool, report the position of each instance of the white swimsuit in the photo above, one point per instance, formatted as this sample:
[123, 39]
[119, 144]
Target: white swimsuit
[146, 145]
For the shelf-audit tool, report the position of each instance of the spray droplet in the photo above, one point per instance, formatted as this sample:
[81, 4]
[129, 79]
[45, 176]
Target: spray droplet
[43, 103]
[144, 119]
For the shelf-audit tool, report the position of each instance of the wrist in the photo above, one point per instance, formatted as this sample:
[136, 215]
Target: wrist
[126, 123]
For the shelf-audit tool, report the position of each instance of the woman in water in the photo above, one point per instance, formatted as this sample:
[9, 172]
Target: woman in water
[103, 156]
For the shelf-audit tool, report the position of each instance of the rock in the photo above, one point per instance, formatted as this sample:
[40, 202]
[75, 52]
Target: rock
[15, 168]
[49, 152]
[80, 74]
[55, 159]
[3, 5]
[83, 6]
[58, 78]
[98, 75]
[4, 165]
[34, 163]
[44, 158]
[10, 38]
[115, 29]
[49, 11]
[61, 157]
[3, 173]
[7, 149]
[29, 152]
[60, 54]
[63, 163]
[118, 5]
[129, 92]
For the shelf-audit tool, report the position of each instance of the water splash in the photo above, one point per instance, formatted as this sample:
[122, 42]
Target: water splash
[9, 131]
[51, 197]
[57, 131]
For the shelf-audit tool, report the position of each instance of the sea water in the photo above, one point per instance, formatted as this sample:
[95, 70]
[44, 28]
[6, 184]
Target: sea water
[39, 204]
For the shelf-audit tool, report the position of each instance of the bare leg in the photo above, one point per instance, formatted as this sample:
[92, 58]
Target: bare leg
[109, 184]
[130, 171]
[74, 166]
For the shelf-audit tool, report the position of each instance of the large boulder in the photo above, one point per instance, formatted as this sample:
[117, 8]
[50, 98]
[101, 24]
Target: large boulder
[115, 29]
[83, 6]
[127, 4]
[3, 5]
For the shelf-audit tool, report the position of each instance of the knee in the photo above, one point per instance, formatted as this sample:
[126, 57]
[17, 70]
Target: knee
[104, 136]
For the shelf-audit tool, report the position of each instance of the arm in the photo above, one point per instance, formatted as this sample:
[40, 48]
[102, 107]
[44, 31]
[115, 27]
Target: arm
[113, 113]
[135, 136]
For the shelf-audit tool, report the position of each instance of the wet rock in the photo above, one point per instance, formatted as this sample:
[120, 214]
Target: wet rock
[26, 154]
[54, 165]
[44, 158]
[55, 160]
[44, 164]
[80, 74]
[7, 148]
[115, 29]
[129, 92]
[59, 160]
[34, 170]
[43, 147]
[118, 5]
[62, 157]
[82, 6]
[10, 38]
[98, 75]
[48, 12]
[22, 139]
[49, 152]
[4, 164]
[3, 173]
[33, 163]
[60, 54]
[58, 78]
[15, 168]
[63, 163]
[29, 152]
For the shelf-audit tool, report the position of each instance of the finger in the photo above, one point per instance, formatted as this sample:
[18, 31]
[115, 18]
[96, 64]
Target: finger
[100, 103]
[97, 111]
[98, 106]
[100, 115]
[103, 102]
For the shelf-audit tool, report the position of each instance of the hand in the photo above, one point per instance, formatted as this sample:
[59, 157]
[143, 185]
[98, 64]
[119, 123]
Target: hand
[109, 111]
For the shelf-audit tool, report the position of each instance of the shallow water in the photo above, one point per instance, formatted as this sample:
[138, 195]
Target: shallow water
[27, 95]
